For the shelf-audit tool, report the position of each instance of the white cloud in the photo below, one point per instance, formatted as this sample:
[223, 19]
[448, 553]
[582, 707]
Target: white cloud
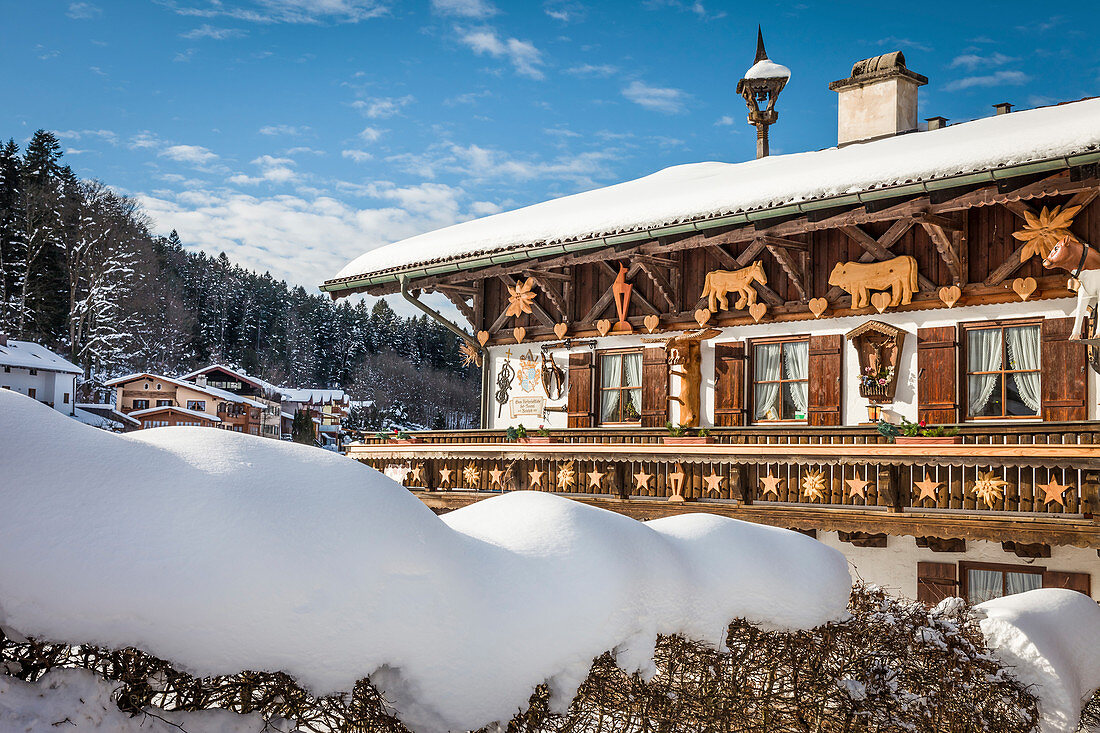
[106, 135]
[193, 154]
[524, 57]
[371, 134]
[996, 79]
[283, 11]
[486, 164]
[973, 61]
[272, 170]
[724, 121]
[564, 10]
[304, 150]
[593, 70]
[184, 56]
[464, 8]
[658, 99]
[83, 11]
[358, 156]
[209, 31]
[292, 130]
[382, 107]
[144, 139]
[467, 98]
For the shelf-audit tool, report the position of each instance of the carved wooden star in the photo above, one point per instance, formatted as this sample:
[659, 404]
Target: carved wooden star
[714, 482]
[857, 487]
[444, 476]
[417, 474]
[771, 484]
[595, 476]
[534, 478]
[495, 475]
[520, 297]
[927, 488]
[1054, 492]
[567, 474]
[641, 479]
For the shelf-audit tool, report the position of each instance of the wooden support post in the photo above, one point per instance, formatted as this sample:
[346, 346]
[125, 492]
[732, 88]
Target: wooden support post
[889, 487]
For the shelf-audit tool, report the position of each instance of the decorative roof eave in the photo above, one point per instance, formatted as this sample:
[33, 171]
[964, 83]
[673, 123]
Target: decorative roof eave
[434, 268]
[876, 326]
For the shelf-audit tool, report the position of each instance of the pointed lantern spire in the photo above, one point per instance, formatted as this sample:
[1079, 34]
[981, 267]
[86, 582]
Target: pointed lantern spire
[761, 54]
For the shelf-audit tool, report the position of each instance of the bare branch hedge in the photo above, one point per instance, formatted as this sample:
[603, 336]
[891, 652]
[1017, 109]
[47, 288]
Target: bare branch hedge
[892, 665]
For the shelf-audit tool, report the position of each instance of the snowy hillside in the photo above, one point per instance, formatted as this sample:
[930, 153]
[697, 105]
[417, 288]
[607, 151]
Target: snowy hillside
[221, 552]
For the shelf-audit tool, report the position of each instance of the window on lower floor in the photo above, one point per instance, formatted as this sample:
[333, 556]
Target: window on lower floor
[196, 405]
[780, 385]
[32, 392]
[982, 582]
[1002, 370]
[164, 403]
[141, 404]
[620, 387]
[66, 398]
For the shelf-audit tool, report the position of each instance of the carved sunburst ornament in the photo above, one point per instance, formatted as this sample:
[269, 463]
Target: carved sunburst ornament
[567, 475]
[813, 486]
[989, 488]
[470, 355]
[1042, 232]
[471, 475]
[520, 297]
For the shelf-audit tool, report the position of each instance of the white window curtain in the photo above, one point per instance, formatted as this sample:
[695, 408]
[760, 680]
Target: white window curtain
[610, 376]
[983, 354]
[632, 373]
[1023, 353]
[983, 585]
[796, 357]
[769, 365]
[1021, 582]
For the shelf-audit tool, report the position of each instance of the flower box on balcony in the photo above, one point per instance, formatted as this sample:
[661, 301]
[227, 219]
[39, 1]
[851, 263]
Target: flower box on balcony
[687, 440]
[928, 440]
[406, 441]
[538, 439]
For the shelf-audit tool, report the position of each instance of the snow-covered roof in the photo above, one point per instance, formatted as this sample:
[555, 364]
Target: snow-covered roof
[212, 391]
[96, 420]
[29, 355]
[173, 408]
[767, 69]
[106, 411]
[313, 396]
[243, 376]
[691, 194]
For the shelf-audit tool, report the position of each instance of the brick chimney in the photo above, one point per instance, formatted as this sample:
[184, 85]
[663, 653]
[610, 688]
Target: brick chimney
[878, 100]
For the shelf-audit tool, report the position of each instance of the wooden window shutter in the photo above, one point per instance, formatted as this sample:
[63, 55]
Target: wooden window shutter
[825, 371]
[729, 384]
[581, 387]
[654, 387]
[1080, 582]
[937, 381]
[936, 581]
[1065, 372]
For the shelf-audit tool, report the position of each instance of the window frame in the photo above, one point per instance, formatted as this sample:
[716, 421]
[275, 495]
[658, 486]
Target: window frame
[750, 377]
[964, 366]
[600, 389]
[196, 402]
[139, 407]
[965, 566]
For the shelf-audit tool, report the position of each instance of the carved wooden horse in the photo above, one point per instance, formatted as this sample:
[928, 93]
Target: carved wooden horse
[719, 283]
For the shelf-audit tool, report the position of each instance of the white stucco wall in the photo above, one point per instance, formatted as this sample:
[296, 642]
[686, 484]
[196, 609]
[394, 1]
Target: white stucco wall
[894, 567]
[855, 407]
[885, 107]
[49, 386]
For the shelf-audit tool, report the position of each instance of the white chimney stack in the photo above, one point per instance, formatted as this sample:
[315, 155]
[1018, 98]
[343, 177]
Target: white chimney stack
[878, 100]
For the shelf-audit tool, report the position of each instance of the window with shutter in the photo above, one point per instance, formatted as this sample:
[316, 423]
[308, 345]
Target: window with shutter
[1080, 582]
[936, 581]
[729, 384]
[579, 404]
[937, 363]
[780, 379]
[826, 372]
[1065, 372]
[654, 387]
[1001, 369]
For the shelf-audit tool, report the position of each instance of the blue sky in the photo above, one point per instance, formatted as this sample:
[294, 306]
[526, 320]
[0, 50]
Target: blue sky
[295, 134]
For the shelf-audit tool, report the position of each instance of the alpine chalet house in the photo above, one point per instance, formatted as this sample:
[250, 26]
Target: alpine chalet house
[784, 306]
[37, 372]
[160, 401]
[327, 407]
[243, 385]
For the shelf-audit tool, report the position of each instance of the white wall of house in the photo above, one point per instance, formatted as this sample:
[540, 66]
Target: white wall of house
[894, 567]
[855, 407]
[49, 387]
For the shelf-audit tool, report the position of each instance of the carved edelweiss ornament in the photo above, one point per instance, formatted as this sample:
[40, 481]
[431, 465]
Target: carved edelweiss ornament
[813, 486]
[520, 297]
[989, 488]
[471, 475]
[1042, 232]
[567, 475]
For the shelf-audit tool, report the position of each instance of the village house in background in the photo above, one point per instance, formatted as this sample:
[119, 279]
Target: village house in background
[34, 370]
[243, 385]
[772, 312]
[328, 407]
[159, 401]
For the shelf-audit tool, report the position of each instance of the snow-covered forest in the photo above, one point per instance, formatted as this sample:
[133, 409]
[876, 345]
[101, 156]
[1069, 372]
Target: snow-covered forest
[82, 272]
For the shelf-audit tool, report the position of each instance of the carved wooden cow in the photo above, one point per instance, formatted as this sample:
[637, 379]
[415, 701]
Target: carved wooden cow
[720, 282]
[1083, 263]
[898, 275]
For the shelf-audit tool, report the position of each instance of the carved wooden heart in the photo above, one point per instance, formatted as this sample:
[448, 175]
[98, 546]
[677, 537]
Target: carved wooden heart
[483, 337]
[881, 301]
[818, 306]
[951, 295]
[702, 316]
[757, 311]
[519, 332]
[1024, 287]
[603, 326]
[651, 322]
[560, 329]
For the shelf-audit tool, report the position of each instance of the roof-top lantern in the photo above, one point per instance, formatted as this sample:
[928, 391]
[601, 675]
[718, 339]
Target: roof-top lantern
[763, 82]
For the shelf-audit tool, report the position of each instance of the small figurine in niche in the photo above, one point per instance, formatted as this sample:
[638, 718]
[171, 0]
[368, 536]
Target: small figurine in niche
[898, 275]
[1083, 263]
[719, 283]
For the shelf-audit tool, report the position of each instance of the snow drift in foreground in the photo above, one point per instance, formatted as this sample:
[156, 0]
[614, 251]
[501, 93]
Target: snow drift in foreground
[1051, 639]
[223, 552]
